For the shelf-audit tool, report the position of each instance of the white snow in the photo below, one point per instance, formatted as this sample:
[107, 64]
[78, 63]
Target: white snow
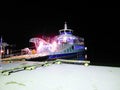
[64, 77]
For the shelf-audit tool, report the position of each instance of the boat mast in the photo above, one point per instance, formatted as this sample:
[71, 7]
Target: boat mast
[1, 48]
[65, 26]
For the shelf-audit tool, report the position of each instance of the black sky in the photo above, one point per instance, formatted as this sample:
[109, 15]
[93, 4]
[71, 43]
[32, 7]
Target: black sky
[23, 23]
[99, 26]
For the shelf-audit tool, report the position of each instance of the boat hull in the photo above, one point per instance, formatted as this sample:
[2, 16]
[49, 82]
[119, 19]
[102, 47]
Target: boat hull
[40, 58]
[76, 56]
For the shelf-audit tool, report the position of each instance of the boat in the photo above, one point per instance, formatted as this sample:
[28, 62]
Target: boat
[62, 46]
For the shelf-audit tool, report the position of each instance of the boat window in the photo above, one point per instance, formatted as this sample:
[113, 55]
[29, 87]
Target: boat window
[61, 32]
[72, 47]
[67, 50]
[76, 47]
[68, 32]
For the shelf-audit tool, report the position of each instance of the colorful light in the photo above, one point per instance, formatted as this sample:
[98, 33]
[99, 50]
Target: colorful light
[1, 51]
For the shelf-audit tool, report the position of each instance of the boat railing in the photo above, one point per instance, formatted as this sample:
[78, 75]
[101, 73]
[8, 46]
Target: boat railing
[64, 48]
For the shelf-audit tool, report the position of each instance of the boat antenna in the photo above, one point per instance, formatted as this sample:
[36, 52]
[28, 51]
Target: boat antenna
[1, 43]
[65, 26]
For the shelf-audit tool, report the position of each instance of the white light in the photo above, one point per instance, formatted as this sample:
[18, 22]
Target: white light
[85, 48]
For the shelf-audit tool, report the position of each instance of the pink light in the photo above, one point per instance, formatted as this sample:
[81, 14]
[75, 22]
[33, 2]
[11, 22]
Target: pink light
[2, 51]
[39, 48]
[54, 46]
[45, 46]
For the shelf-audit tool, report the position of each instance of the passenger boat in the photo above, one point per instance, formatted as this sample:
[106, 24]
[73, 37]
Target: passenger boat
[62, 46]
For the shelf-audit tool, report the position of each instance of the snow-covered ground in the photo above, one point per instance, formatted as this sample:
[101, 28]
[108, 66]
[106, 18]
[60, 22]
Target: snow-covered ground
[64, 77]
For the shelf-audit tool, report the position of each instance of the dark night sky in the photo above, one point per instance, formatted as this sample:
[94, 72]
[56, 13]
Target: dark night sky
[97, 25]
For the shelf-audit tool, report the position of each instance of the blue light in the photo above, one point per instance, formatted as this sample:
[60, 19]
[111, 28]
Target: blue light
[76, 47]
